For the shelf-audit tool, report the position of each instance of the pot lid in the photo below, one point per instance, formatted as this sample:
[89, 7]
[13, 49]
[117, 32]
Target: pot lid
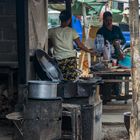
[48, 66]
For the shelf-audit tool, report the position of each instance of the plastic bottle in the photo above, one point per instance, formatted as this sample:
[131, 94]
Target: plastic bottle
[108, 50]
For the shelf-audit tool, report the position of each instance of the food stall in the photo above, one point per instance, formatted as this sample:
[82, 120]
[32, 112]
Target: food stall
[113, 71]
[79, 98]
[45, 115]
[81, 95]
[115, 75]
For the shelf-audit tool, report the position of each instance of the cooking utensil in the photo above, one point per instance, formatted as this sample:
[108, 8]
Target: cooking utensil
[46, 67]
[42, 89]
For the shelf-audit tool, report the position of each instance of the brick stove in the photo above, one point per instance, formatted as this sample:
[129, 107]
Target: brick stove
[42, 119]
[81, 99]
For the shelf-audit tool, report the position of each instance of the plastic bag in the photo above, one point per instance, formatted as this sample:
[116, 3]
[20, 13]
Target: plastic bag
[89, 43]
[99, 43]
[107, 52]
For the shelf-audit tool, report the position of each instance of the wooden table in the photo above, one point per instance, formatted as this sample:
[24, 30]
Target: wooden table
[116, 74]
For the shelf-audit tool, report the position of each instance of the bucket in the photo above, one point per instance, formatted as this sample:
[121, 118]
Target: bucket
[127, 116]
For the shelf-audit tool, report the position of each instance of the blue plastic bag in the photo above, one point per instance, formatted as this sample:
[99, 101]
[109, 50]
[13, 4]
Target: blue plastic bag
[126, 62]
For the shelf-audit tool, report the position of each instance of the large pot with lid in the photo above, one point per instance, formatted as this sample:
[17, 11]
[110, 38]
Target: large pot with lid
[42, 89]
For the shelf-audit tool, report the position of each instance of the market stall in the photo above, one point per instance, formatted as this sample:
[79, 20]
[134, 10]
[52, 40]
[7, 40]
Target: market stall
[116, 76]
[82, 95]
[116, 73]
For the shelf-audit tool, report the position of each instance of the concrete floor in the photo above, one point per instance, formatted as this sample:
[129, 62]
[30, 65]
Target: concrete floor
[114, 110]
[6, 130]
[113, 126]
[114, 132]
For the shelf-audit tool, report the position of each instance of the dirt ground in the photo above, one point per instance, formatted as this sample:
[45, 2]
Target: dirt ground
[109, 132]
[114, 132]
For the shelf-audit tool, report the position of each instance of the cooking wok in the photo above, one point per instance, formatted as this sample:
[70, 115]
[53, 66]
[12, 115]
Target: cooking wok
[46, 67]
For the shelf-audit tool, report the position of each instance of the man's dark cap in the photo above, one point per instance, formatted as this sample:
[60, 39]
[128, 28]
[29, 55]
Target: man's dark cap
[107, 14]
[65, 15]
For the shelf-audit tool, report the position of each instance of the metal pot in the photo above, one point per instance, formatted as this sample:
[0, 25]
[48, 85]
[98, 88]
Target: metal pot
[42, 89]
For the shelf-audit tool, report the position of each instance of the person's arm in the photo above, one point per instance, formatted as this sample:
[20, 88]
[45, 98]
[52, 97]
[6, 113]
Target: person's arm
[118, 52]
[76, 39]
[123, 41]
[82, 47]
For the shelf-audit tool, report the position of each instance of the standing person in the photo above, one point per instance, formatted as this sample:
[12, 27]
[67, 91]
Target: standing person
[113, 34]
[125, 18]
[62, 40]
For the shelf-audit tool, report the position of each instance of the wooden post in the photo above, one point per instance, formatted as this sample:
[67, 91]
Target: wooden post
[23, 40]
[85, 28]
[68, 7]
[46, 16]
[110, 4]
[84, 19]
[135, 43]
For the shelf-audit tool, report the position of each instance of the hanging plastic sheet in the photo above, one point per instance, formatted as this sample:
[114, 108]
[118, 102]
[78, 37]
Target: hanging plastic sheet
[37, 24]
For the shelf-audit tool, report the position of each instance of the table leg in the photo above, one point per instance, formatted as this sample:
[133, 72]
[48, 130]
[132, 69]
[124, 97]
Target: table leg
[126, 89]
[11, 84]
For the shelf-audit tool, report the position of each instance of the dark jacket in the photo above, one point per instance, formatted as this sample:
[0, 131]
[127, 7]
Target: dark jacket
[111, 35]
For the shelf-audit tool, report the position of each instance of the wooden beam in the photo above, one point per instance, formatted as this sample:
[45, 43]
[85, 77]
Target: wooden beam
[55, 1]
[68, 8]
[59, 1]
[22, 40]
[135, 46]
[68, 5]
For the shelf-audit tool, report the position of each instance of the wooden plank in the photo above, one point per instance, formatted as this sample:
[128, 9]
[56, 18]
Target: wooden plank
[115, 81]
[103, 73]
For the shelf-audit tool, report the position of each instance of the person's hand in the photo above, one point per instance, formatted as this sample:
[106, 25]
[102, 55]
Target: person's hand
[116, 43]
[93, 53]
